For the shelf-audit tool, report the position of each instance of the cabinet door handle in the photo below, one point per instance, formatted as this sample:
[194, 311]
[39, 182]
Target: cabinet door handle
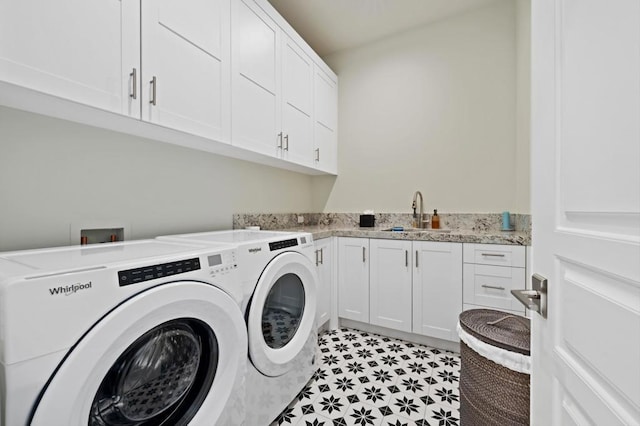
[493, 287]
[364, 258]
[416, 258]
[406, 258]
[154, 83]
[322, 256]
[317, 154]
[280, 140]
[493, 254]
[286, 144]
[317, 257]
[134, 78]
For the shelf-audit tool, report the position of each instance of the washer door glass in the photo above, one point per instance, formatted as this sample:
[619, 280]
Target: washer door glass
[283, 310]
[160, 378]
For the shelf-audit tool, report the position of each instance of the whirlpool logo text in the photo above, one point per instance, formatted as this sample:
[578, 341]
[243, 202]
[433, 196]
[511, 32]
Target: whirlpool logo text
[70, 289]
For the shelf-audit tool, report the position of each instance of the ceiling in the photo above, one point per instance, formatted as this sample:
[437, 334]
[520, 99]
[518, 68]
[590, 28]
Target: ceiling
[332, 25]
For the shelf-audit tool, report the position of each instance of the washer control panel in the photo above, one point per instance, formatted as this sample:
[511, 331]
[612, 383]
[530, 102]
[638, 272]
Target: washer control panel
[222, 263]
[152, 272]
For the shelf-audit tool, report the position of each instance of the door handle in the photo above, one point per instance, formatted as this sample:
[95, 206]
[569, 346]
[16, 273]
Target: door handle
[406, 258]
[134, 79]
[317, 154]
[364, 258]
[286, 142]
[322, 256]
[154, 83]
[280, 140]
[317, 257]
[416, 258]
[535, 299]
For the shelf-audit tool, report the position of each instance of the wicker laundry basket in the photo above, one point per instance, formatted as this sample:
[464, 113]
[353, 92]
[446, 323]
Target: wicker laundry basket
[491, 393]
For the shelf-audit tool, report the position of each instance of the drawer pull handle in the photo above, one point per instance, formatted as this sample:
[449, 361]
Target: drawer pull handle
[493, 287]
[493, 254]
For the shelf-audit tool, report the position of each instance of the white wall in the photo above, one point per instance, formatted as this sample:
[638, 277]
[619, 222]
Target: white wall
[523, 105]
[55, 173]
[432, 109]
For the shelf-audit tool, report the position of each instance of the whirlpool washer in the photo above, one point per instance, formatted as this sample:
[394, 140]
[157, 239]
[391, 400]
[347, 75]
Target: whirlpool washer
[135, 333]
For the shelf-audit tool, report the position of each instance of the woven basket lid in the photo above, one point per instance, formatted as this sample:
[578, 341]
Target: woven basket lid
[511, 332]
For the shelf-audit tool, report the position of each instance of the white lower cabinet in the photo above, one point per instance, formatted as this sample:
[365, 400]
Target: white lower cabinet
[390, 284]
[353, 279]
[411, 286]
[437, 289]
[324, 267]
[491, 271]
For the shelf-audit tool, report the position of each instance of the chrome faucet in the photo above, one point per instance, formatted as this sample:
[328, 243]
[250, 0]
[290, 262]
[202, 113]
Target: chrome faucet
[421, 222]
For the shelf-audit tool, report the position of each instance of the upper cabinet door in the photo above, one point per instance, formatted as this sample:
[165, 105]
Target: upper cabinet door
[79, 50]
[297, 104]
[325, 122]
[256, 70]
[186, 66]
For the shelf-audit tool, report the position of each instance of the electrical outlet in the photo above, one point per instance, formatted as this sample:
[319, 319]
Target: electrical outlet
[300, 219]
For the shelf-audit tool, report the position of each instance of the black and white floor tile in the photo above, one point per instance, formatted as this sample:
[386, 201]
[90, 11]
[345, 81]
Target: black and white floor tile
[366, 379]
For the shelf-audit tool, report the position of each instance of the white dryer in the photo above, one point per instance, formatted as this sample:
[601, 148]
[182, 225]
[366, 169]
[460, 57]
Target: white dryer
[280, 284]
[136, 333]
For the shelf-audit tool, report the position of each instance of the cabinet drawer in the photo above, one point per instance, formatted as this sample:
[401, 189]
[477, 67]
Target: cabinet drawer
[491, 286]
[494, 254]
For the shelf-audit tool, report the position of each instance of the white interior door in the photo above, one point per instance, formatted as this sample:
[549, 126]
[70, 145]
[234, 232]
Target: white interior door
[586, 210]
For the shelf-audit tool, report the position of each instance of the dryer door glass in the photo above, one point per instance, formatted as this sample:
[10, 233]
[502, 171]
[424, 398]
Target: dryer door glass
[161, 378]
[283, 310]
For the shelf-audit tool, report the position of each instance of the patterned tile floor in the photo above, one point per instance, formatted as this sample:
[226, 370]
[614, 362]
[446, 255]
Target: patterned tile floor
[367, 379]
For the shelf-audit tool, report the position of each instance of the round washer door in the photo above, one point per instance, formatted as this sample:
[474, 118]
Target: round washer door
[170, 355]
[282, 313]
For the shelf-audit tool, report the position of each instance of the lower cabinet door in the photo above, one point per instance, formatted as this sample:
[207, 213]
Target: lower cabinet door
[390, 284]
[437, 288]
[324, 268]
[353, 279]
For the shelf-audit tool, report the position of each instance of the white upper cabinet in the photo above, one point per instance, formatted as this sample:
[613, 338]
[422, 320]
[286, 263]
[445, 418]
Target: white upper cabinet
[272, 81]
[255, 79]
[224, 76]
[297, 104]
[78, 50]
[325, 121]
[186, 69]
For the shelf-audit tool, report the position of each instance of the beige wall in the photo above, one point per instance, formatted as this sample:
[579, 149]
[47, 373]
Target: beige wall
[54, 174]
[434, 109]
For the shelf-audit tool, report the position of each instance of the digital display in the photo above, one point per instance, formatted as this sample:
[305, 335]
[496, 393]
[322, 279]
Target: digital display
[215, 260]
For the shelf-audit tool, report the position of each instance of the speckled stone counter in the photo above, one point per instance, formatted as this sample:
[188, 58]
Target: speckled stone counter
[464, 228]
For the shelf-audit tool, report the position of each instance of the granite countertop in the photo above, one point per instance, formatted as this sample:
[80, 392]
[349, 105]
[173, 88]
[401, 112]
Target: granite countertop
[521, 238]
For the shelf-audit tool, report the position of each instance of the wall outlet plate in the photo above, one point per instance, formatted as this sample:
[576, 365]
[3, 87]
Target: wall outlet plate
[300, 219]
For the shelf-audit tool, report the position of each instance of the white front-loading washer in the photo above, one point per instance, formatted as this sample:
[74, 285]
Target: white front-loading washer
[136, 333]
[280, 297]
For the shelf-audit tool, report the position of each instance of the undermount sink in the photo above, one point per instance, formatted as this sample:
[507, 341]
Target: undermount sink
[442, 231]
